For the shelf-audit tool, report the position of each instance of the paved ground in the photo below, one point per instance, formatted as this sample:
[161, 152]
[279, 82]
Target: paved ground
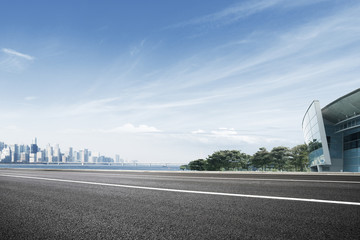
[37, 204]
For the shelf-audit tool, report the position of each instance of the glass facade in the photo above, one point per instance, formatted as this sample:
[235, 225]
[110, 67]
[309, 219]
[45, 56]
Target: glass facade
[315, 138]
[348, 125]
[335, 145]
[352, 150]
[332, 134]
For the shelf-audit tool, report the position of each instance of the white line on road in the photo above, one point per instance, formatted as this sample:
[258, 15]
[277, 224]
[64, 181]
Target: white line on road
[174, 178]
[187, 191]
[231, 178]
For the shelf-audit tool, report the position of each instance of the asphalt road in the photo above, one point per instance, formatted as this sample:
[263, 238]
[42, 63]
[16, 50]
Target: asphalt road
[48, 204]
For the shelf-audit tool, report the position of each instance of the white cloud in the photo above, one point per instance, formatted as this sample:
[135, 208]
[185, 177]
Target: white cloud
[130, 128]
[29, 98]
[261, 85]
[225, 132]
[232, 137]
[242, 10]
[228, 136]
[199, 131]
[136, 49]
[231, 13]
[284, 59]
[12, 127]
[12, 52]
[14, 61]
[92, 107]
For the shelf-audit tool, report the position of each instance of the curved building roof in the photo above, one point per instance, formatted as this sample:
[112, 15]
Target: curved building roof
[343, 108]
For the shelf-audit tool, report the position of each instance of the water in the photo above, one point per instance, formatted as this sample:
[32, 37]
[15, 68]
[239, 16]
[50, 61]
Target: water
[95, 167]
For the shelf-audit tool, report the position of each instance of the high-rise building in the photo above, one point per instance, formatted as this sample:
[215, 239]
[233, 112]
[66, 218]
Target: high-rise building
[33, 151]
[32, 158]
[2, 146]
[49, 153]
[24, 157]
[70, 155]
[333, 134]
[5, 156]
[94, 157]
[34, 146]
[15, 153]
[40, 156]
[76, 157]
[22, 148]
[56, 154]
[84, 156]
[117, 158]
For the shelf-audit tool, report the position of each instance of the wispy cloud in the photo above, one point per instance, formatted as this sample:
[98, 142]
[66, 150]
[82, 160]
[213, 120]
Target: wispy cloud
[255, 77]
[12, 52]
[301, 49]
[231, 14]
[30, 98]
[232, 136]
[12, 127]
[130, 128]
[242, 10]
[126, 104]
[199, 131]
[14, 61]
[91, 107]
[136, 49]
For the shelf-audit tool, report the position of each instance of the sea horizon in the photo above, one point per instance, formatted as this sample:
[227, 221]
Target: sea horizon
[94, 166]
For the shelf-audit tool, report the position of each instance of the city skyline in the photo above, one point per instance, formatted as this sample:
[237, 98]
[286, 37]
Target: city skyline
[172, 81]
[33, 153]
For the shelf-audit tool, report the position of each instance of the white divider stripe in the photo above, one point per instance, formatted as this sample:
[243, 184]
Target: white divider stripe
[231, 178]
[245, 179]
[187, 191]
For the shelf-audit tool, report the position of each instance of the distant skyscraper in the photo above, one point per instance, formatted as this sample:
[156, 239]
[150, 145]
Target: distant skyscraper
[22, 148]
[15, 153]
[33, 151]
[49, 153]
[40, 156]
[32, 158]
[24, 157]
[34, 146]
[85, 156]
[56, 154]
[71, 155]
[76, 156]
[94, 157]
[43, 155]
[33, 154]
[6, 155]
[2, 146]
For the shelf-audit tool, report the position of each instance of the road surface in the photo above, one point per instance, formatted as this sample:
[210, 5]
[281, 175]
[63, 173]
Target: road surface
[53, 204]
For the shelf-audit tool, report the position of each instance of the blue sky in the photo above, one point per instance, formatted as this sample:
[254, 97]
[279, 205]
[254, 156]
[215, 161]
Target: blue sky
[172, 81]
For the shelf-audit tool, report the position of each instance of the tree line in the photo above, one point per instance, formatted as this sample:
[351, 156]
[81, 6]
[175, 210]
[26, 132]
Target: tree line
[278, 159]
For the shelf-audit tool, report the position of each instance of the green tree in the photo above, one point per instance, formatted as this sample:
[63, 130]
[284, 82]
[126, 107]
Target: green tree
[199, 165]
[314, 145]
[184, 167]
[300, 157]
[227, 159]
[280, 157]
[239, 160]
[261, 159]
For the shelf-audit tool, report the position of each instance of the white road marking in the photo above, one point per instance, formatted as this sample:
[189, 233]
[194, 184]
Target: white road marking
[221, 178]
[230, 178]
[187, 191]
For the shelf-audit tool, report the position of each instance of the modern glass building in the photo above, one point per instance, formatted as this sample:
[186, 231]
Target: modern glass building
[333, 134]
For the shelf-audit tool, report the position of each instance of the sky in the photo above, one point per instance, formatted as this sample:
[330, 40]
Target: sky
[171, 81]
